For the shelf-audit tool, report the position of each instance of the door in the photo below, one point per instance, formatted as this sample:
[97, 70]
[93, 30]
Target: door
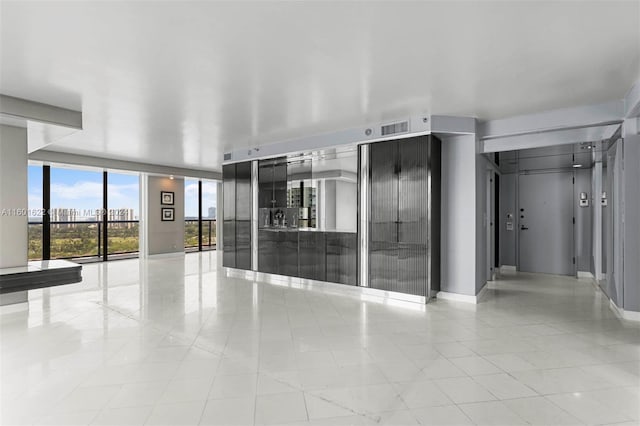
[490, 223]
[546, 223]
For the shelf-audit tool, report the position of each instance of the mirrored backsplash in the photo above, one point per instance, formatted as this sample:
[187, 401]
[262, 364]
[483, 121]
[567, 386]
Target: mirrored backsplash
[311, 191]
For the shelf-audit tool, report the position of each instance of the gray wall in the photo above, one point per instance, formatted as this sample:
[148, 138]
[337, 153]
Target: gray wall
[458, 248]
[163, 236]
[481, 219]
[507, 206]
[584, 218]
[583, 235]
[631, 188]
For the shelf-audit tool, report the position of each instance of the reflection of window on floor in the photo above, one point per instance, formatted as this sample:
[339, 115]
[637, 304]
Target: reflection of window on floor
[199, 209]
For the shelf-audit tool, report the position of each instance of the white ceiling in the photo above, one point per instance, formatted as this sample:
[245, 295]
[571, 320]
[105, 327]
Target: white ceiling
[179, 83]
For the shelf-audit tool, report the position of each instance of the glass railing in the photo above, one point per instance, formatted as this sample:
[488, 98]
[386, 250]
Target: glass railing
[74, 240]
[208, 233]
[35, 240]
[123, 237]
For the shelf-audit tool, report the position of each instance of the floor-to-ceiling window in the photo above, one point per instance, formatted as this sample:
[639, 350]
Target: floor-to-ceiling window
[191, 204]
[209, 212]
[82, 213]
[199, 214]
[34, 182]
[123, 194]
[75, 212]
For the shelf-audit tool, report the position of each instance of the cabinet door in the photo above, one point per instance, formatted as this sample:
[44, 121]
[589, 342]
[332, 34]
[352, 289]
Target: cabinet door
[412, 191]
[413, 195]
[265, 185]
[384, 191]
[229, 216]
[383, 244]
[243, 215]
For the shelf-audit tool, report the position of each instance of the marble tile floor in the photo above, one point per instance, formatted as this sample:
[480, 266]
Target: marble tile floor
[173, 340]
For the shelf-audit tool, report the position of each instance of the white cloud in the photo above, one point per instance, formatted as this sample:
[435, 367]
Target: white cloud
[77, 191]
[35, 201]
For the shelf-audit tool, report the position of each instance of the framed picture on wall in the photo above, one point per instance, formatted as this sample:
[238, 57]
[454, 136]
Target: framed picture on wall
[167, 214]
[166, 198]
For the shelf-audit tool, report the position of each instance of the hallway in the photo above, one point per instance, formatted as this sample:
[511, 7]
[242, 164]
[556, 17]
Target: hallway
[172, 340]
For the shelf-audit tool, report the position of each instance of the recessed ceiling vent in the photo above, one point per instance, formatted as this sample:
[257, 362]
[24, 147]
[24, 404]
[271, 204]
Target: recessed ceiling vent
[227, 156]
[392, 129]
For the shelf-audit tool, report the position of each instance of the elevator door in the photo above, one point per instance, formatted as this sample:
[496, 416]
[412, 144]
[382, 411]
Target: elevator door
[546, 223]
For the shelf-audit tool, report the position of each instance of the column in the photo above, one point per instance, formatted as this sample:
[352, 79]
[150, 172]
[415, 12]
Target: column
[14, 238]
[161, 233]
[631, 216]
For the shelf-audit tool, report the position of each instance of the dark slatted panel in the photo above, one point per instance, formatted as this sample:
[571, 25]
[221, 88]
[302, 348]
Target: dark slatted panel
[383, 265]
[341, 257]
[229, 216]
[243, 215]
[435, 199]
[280, 183]
[399, 224]
[265, 184]
[412, 269]
[412, 192]
[289, 254]
[267, 251]
[384, 191]
[311, 258]
[412, 213]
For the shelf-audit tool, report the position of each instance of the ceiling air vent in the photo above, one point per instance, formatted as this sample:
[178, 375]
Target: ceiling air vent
[392, 129]
[227, 156]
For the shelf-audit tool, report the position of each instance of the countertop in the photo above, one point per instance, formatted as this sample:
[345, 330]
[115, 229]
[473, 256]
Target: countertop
[292, 229]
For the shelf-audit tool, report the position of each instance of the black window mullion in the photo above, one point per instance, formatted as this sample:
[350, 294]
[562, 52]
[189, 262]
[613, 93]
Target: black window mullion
[199, 215]
[105, 217]
[46, 216]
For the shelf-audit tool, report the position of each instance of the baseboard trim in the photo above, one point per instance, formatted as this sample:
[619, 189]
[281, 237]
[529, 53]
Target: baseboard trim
[363, 293]
[456, 297]
[621, 313]
[165, 255]
[585, 274]
[510, 268]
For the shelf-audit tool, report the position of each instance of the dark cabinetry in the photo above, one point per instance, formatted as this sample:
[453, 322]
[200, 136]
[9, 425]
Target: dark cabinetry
[341, 259]
[236, 237]
[404, 219]
[272, 183]
[316, 255]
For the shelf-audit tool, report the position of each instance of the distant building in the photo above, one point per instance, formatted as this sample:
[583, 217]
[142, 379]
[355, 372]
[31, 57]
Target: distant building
[212, 212]
[116, 215]
[63, 215]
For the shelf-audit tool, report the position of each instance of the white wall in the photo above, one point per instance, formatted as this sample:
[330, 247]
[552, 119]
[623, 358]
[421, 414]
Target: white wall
[346, 206]
[161, 236]
[14, 238]
[458, 238]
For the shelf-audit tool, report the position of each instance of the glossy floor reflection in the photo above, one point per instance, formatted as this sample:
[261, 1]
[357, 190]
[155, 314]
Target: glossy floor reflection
[174, 341]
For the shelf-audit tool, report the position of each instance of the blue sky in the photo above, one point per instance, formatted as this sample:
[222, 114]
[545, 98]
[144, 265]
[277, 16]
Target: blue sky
[82, 190]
